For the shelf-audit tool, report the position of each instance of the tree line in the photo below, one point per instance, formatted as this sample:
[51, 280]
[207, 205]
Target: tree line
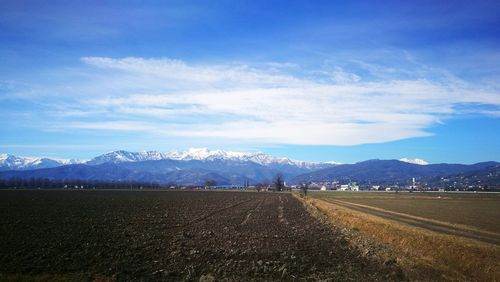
[278, 184]
[45, 183]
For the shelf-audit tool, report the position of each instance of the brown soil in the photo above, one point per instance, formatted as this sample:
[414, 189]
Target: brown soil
[167, 235]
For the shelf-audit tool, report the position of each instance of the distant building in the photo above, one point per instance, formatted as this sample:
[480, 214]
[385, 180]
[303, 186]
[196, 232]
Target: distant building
[350, 187]
[353, 186]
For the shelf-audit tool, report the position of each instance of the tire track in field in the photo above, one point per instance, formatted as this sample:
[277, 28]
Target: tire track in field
[422, 223]
[205, 216]
[281, 215]
[250, 212]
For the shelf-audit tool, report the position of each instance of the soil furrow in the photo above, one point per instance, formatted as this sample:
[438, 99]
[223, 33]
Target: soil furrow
[127, 236]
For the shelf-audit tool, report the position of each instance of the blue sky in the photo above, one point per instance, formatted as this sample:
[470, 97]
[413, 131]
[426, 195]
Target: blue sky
[312, 80]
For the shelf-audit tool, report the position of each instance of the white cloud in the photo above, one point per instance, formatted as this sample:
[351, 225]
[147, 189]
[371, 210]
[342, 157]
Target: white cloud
[341, 76]
[180, 73]
[271, 103]
[108, 125]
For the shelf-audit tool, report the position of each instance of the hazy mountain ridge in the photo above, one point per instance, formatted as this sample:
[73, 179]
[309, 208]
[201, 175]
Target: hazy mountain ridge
[489, 176]
[195, 166]
[11, 162]
[191, 167]
[204, 154]
[125, 156]
[388, 171]
[137, 172]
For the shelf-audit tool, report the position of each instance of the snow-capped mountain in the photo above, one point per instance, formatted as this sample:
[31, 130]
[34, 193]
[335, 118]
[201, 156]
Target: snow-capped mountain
[69, 161]
[125, 156]
[414, 161]
[203, 154]
[256, 157]
[11, 162]
[195, 166]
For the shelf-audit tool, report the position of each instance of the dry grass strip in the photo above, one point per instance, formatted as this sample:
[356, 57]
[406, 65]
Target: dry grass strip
[422, 254]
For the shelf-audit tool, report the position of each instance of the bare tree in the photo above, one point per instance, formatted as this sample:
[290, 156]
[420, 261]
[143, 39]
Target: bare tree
[304, 188]
[279, 182]
[210, 183]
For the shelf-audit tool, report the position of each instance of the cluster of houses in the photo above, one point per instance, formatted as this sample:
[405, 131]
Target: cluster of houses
[411, 185]
[352, 186]
[334, 185]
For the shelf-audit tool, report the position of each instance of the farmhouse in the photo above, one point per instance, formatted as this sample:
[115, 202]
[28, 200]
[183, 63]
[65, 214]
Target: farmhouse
[353, 186]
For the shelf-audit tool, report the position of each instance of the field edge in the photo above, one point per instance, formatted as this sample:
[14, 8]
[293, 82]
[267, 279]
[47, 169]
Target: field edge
[421, 254]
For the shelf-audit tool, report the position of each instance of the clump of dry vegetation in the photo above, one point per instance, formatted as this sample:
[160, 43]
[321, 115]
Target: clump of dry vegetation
[423, 255]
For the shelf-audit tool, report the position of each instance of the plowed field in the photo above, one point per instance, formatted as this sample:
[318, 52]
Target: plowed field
[172, 235]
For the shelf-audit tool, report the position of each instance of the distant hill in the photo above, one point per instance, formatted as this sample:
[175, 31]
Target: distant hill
[387, 171]
[489, 177]
[192, 172]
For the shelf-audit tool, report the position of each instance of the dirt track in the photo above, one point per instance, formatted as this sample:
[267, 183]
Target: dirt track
[173, 236]
[449, 229]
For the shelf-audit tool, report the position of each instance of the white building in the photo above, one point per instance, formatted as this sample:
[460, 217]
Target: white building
[353, 186]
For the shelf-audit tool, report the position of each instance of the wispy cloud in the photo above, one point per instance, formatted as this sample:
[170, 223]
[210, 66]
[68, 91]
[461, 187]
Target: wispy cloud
[265, 103]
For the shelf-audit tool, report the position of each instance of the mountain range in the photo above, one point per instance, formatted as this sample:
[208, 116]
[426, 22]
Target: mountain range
[191, 167]
[389, 172]
[11, 162]
[195, 166]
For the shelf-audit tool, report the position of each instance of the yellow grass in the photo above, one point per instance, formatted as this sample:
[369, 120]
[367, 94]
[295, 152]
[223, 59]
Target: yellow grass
[423, 255]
